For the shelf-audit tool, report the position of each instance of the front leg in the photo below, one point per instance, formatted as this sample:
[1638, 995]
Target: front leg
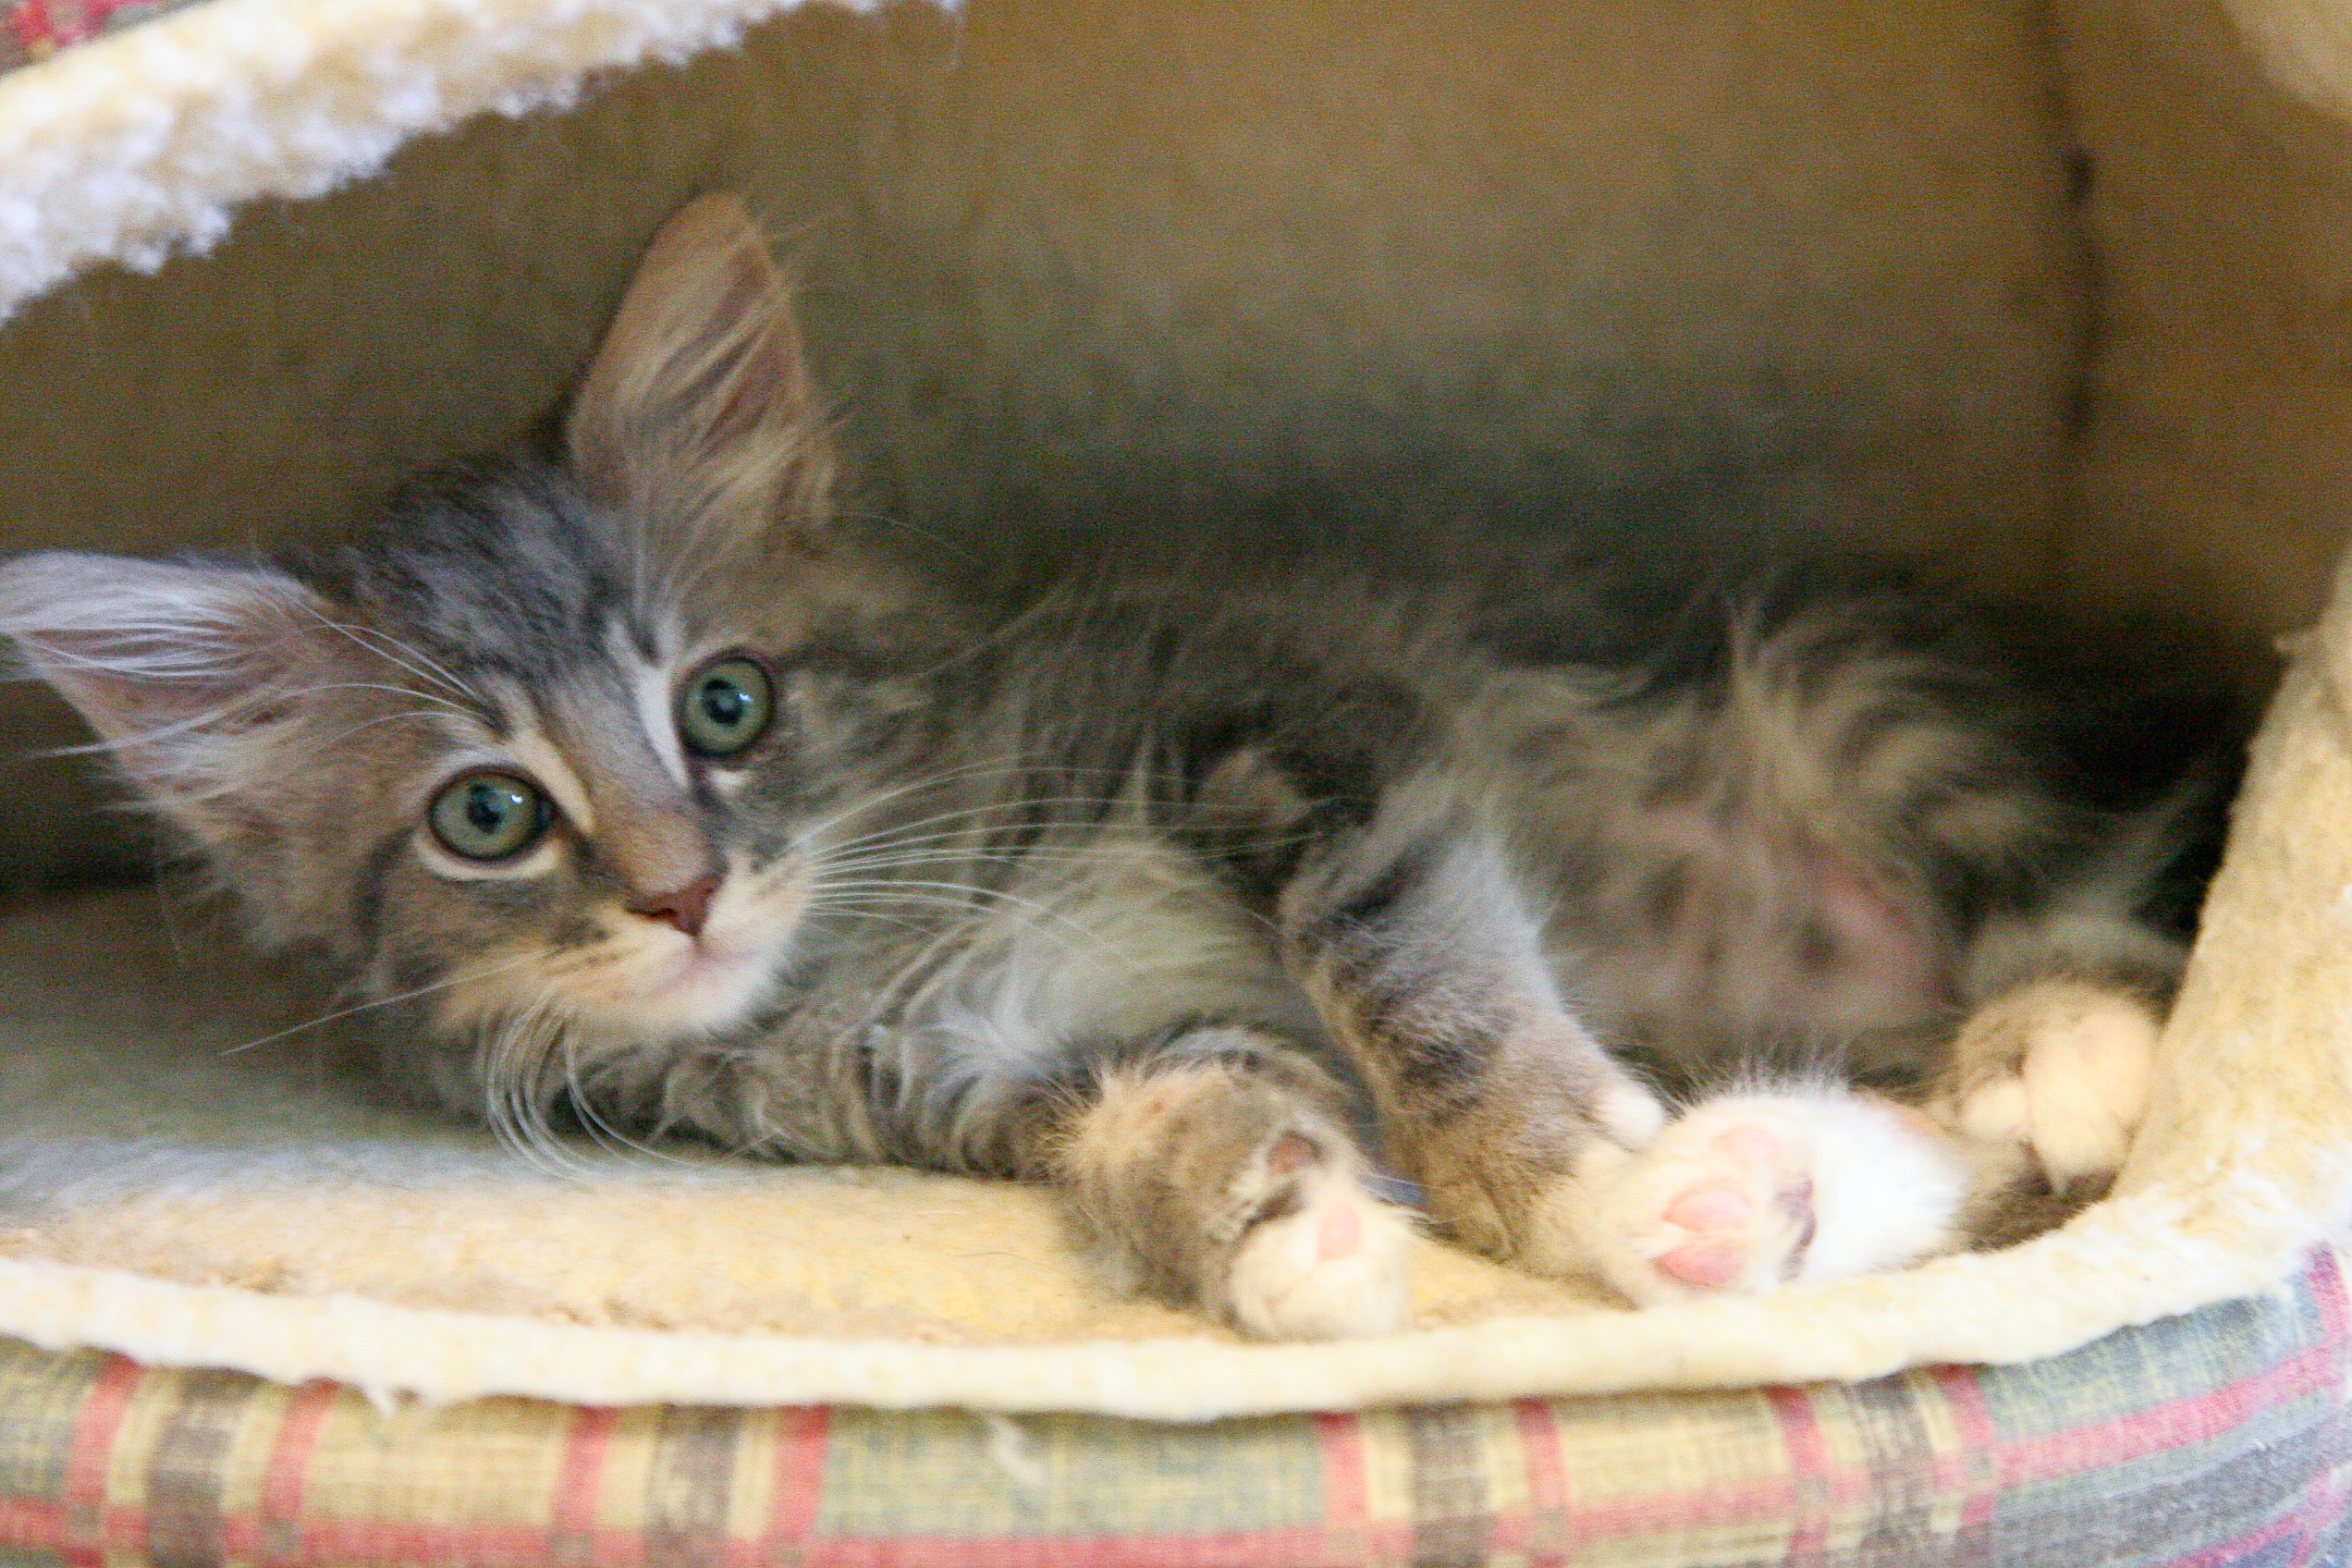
[1410, 935]
[1218, 1165]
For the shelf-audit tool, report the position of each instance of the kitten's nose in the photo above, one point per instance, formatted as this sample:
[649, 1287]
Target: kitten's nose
[686, 908]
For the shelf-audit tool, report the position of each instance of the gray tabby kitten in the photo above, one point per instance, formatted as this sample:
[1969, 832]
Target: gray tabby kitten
[643, 791]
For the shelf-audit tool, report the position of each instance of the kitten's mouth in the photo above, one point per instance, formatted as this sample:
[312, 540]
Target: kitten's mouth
[716, 978]
[706, 964]
[701, 986]
[651, 980]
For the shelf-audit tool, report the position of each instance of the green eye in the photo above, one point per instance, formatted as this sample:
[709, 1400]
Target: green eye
[490, 815]
[725, 707]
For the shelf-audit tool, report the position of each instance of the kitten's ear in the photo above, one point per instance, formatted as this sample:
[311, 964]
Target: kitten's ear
[699, 412]
[181, 669]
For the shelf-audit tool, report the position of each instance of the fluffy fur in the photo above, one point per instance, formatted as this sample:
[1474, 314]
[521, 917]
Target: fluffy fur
[1200, 897]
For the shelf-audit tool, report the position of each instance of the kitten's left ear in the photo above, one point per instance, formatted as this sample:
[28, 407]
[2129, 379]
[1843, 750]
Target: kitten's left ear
[699, 412]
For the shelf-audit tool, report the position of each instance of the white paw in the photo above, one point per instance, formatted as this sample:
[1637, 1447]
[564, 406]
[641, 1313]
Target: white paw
[1748, 1192]
[1629, 1114]
[1332, 1267]
[2079, 1086]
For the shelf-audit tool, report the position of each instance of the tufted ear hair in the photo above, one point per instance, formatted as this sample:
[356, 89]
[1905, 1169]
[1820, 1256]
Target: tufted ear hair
[185, 671]
[699, 414]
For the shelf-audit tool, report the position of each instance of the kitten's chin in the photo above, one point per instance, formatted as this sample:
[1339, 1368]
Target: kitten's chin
[702, 989]
[709, 989]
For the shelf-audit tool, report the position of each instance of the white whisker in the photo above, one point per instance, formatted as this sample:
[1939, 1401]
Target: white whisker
[409, 658]
[384, 1001]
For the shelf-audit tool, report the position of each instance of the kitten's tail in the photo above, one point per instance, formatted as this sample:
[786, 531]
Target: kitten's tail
[2156, 859]
[2122, 914]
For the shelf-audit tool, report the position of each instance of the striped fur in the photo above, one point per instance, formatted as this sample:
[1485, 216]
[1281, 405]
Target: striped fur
[1199, 896]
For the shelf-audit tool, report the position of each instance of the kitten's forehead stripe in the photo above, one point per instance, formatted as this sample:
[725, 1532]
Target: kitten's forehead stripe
[643, 639]
[651, 689]
[636, 651]
[651, 832]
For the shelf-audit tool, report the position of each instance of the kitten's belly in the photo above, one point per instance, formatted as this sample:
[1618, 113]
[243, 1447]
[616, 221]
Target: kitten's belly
[1722, 947]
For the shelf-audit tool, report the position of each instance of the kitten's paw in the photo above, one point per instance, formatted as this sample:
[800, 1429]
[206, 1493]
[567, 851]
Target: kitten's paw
[1730, 1211]
[2061, 1068]
[1748, 1192]
[1323, 1258]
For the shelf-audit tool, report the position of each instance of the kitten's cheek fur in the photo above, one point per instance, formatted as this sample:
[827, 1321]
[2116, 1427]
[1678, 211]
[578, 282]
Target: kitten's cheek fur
[1748, 1193]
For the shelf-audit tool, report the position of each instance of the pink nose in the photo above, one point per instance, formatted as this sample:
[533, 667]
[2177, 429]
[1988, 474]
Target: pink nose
[686, 908]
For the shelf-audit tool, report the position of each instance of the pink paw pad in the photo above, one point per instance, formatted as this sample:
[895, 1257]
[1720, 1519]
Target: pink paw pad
[1748, 1212]
[1710, 1208]
[1704, 1265]
[1339, 1233]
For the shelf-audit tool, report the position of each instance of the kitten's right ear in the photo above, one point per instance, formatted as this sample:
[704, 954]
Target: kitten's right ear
[177, 667]
[699, 414]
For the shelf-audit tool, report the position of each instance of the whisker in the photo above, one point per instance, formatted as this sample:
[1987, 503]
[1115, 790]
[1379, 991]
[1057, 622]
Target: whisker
[930, 781]
[408, 656]
[1075, 937]
[458, 708]
[337, 740]
[998, 767]
[604, 1132]
[514, 1101]
[968, 890]
[442, 985]
[962, 856]
[1026, 803]
[867, 912]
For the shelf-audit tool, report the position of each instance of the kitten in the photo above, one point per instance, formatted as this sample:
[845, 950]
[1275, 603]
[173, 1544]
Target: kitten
[638, 789]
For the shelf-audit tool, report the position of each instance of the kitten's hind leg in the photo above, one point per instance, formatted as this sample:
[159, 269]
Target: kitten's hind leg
[1220, 1171]
[1750, 1192]
[2054, 1074]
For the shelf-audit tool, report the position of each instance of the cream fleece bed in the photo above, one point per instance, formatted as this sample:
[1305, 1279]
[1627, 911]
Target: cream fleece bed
[187, 1205]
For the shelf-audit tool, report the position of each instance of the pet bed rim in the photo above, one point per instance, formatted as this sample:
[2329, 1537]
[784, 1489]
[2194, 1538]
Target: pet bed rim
[144, 145]
[2053, 1294]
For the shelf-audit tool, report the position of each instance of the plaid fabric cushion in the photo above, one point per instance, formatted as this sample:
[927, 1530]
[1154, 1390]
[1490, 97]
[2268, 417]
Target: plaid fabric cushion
[35, 30]
[2217, 1439]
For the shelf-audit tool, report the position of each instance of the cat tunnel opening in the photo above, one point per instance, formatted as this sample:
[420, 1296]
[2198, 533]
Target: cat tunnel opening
[2038, 302]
